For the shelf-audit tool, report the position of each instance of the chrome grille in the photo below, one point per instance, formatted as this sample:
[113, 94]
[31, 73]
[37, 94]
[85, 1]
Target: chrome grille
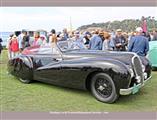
[137, 67]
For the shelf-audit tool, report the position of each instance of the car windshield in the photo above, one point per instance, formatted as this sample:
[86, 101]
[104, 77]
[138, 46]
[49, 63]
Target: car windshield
[70, 45]
[64, 46]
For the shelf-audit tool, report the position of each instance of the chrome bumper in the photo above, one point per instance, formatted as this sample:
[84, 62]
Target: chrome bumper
[130, 90]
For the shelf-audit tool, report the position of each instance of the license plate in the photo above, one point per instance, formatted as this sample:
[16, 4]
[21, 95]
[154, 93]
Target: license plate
[135, 89]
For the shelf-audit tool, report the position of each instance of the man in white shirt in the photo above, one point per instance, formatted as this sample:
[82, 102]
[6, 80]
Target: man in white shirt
[20, 39]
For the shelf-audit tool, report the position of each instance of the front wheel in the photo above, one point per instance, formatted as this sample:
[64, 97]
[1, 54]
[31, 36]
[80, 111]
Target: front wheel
[103, 88]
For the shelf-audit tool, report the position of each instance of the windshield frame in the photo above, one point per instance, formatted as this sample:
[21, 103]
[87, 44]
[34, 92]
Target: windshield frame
[71, 42]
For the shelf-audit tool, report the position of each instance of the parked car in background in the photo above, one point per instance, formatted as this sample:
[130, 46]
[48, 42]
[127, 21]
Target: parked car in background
[152, 54]
[106, 74]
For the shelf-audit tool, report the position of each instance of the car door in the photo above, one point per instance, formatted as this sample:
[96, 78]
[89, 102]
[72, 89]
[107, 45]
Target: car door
[73, 71]
[49, 67]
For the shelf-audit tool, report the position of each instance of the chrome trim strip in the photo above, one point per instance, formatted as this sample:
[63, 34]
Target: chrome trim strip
[129, 90]
[133, 65]
[134, 68]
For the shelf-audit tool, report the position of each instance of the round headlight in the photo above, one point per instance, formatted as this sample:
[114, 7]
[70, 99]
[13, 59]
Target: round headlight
[138, 78]
[131, 72]
[145, 75]
[143, 68]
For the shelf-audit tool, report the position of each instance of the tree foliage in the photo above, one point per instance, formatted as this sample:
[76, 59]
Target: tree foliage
[127, 25]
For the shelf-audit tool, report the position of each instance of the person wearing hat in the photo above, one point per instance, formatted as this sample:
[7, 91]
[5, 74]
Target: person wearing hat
[120, 41]
[78, 40]
[77, 37]
[86, 38]
[14, 46]
[139, 44]
[37, 41]
[44, 39]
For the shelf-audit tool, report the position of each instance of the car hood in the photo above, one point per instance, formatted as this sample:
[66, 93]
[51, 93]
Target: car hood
[124, 57]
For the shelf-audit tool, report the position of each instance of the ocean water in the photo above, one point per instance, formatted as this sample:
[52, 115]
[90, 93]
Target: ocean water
[4, 36]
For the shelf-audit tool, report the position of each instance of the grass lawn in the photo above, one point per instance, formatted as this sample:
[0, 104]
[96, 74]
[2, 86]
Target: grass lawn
[16, 96]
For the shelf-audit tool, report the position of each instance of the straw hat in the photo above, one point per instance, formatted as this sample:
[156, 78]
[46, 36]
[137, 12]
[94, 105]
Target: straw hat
[139, 29]
[119, 30]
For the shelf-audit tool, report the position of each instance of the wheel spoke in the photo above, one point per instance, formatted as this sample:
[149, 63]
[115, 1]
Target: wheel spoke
[103, 87]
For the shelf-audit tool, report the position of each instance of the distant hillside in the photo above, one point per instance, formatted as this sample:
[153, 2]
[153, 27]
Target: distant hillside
[126, 25]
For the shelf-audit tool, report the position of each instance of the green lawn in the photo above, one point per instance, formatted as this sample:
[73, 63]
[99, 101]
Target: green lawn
[16, 96]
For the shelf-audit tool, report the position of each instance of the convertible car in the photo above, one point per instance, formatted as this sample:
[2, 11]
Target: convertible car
[106, 74]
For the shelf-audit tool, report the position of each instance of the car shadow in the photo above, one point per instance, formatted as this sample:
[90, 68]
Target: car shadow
[121, 100]
[125, 99]
[154, 68]
[65, 89]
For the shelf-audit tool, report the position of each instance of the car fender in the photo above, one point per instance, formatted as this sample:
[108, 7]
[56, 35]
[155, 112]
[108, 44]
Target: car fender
[21, 67]
[118, 71]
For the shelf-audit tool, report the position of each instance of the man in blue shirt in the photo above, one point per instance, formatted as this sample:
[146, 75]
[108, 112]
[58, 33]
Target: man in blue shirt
[65, 34]
[78, 41]
[139, 44]
[119, 41]
[95, 42]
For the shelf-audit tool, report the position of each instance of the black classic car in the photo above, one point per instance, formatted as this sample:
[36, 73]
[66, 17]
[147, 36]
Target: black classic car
[106, 74]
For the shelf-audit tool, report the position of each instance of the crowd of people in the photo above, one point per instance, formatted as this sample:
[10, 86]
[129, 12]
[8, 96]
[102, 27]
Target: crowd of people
[118, 40]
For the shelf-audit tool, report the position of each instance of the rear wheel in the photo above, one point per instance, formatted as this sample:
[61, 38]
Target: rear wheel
[103, 88]
[25, 81]
[23, 72]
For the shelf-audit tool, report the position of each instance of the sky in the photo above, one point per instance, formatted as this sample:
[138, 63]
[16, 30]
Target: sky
[47, 18]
